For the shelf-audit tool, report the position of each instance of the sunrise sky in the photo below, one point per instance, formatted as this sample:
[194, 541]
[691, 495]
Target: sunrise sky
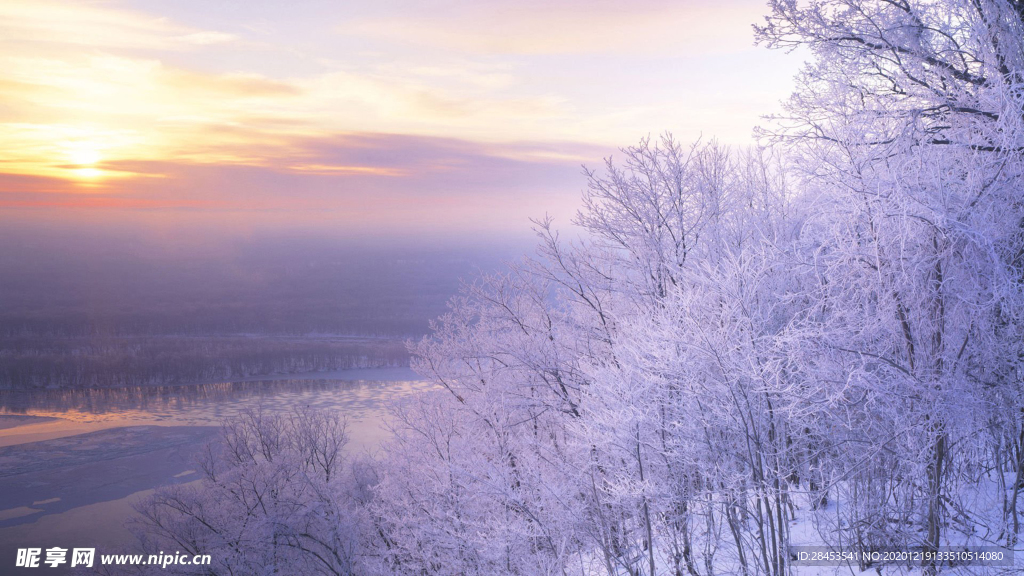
[413, 116]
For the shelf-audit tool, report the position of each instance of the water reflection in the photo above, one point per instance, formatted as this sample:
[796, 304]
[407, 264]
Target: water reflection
[203, 404]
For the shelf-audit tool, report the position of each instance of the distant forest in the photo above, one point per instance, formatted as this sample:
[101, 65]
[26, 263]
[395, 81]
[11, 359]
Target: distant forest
[103, 362]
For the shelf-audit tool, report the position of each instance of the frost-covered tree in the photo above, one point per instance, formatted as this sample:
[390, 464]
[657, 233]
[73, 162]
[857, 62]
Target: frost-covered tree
[565, 435]
[909, 121]
[737, 338]
[278, 496]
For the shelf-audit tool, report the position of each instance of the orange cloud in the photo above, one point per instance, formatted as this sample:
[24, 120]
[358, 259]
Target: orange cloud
[355, 182]
[108, 105]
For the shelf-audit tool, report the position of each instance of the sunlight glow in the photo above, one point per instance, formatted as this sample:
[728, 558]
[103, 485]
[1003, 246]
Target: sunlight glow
[84, 155]
[88, 173]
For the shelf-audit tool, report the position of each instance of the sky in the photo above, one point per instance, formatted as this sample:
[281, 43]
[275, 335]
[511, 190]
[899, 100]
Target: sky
[384, 117]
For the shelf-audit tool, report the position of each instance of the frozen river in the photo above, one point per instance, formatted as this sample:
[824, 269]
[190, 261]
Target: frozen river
[73, 461]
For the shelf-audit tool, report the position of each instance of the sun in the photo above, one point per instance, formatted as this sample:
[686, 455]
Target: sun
[84, 155]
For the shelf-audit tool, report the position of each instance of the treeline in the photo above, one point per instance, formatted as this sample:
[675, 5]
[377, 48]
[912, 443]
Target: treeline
[114, 362]
[320, 316]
